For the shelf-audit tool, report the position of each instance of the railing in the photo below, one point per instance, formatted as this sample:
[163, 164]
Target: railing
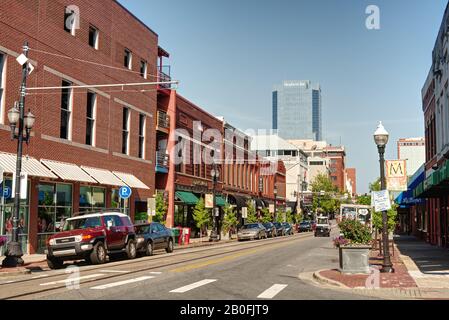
[162, 159]
[164, 76]
[163, 120]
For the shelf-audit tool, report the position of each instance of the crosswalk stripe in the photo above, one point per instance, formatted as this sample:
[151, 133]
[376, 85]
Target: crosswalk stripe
[121, 283]
[271, 292]
[193, 286]
[69, 280]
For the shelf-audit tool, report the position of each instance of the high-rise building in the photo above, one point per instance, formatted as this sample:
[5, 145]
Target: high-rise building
[297, 110]
[413, 150]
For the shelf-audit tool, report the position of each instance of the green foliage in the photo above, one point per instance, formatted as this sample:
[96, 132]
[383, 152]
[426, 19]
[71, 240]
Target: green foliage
[375, 186]
[252, 217]
[266, 216]
[392, 218]
[355, 231]
[322, 182]
[364, 200]
[329, 204]
[230, 220]
[201, 216]
[140, 216]
[289, 216]
[161, 208]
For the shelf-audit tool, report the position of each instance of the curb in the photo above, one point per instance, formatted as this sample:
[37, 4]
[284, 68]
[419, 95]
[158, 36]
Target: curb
[324, 280]
[14, 273]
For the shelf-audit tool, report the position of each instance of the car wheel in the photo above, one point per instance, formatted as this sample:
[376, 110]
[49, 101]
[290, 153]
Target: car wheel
[55, 263]
[149, 248]
[131, 250]
[169, 246]
[98, 254]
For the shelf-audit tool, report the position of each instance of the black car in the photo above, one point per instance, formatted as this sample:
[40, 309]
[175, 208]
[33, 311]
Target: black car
[271, 229]
[280, 229]
[288, 228]
[154, 236]
[305, 226]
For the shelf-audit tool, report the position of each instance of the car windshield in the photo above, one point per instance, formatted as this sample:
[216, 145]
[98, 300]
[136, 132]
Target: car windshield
[82, 223]
[267, 225]
[142, 229]
[322, 221]
[251, 226]
[278, 225]
[304, 223]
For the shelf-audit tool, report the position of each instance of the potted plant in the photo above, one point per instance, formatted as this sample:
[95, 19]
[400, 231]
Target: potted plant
[354, 246]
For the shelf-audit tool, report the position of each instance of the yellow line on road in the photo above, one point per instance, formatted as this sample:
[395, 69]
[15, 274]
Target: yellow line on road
[227, 258]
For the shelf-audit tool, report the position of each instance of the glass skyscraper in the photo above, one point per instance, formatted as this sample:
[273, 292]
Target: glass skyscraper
[297, 110]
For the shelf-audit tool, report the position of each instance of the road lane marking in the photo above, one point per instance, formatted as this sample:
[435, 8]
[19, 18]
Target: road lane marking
[193, 286]
[271, 292]
[154, 272]
[121, 283]
[70, 280]
[114, 271]
[40, 276]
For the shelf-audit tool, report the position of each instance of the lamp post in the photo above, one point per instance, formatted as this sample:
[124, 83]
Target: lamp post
[214, 234]
[275, 191]
[24, 124]
[381, 139]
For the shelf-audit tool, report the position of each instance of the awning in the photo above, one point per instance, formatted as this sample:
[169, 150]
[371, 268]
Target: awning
[292, 205]
[68, 171]
[259, 204]
[29, 165]
[131, 180]
[187, 197]
[103, 176]
[239, 201]
[219, 201]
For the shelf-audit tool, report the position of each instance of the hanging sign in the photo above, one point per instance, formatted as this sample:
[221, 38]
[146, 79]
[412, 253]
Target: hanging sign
[23, 185]
[381, 200]
[209, 201]
[396, 174]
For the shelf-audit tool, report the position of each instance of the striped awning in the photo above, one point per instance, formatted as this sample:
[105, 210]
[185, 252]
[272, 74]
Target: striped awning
[29, 165]
[103, 176]
[68, 171]
[130, 180]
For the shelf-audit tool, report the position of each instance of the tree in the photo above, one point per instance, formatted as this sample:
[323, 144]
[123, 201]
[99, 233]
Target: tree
[322, 182]
[230, 220]
[161, 208]
[375, 186]
[391, 221]
[201, 216]
[364, 200]
[252, 217]
[266, 216]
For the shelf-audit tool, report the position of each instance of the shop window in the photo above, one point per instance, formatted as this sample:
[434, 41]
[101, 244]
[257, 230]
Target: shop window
[93, 37]
[92, 199]
[119, 203]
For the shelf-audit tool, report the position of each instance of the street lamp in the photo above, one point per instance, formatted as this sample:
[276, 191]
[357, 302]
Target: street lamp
[17, 118]
[381, 139]
[215, 215]
[275, 191]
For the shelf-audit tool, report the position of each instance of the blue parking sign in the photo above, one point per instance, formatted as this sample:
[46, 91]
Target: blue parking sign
[125, 192]
[7, 192]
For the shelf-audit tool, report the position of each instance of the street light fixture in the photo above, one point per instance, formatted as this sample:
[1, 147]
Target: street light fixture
[215, 215]
[381, 139]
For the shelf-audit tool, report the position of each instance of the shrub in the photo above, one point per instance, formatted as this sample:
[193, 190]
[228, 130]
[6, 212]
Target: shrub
[355, 232]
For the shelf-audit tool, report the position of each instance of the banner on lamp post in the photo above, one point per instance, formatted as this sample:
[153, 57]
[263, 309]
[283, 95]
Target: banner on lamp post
[209, 201]
[381, 200]
[23, 185]
[396, 175]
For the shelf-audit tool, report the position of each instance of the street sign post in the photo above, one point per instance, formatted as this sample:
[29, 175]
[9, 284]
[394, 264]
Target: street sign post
[381, 200]
[125, 192]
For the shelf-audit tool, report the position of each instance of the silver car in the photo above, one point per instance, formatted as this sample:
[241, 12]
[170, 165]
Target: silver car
[252, 231]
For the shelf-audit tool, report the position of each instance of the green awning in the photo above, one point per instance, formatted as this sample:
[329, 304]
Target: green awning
[187, 197]
[220, 201]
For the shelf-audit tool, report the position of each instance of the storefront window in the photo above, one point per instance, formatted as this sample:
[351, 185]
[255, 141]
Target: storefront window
[6, 212]
[118, 203]
[54, 207]
[92, 199]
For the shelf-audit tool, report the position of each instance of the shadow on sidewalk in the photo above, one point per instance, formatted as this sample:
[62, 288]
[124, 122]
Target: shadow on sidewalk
[429, 259]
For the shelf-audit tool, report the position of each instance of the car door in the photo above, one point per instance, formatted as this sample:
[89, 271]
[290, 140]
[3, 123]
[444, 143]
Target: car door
[165, 236]
[112, 235]
[155, 236]
[121, 232]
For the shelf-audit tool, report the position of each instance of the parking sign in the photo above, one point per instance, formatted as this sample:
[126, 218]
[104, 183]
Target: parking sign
[125, 192]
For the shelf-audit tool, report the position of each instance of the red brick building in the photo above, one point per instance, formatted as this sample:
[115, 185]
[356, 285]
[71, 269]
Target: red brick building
[337, 156]
[86, 143]
[351, 180]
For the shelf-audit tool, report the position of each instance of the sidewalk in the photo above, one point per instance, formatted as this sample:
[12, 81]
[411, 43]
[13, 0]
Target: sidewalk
[419, 268]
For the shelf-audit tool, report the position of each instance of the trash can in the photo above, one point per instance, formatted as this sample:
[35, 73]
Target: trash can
[186, 236]
[176, 234]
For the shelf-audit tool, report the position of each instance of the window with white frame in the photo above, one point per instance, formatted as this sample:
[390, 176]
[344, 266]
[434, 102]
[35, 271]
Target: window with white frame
[125, 131]
[93, 37]
[2, 84]
[66, 111]
[142, 123]
[90, 118]
[143, 69]
[128, 59]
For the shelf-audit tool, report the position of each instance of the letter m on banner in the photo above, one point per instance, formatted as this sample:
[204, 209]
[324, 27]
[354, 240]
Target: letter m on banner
[396, 174]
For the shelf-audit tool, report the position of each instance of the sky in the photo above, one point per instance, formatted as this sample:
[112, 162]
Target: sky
[228, 55]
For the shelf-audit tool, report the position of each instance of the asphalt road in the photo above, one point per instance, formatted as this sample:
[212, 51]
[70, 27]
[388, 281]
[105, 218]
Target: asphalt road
[255, 270]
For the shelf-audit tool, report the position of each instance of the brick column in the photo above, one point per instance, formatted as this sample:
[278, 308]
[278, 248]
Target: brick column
[76, 197]
[170, 185]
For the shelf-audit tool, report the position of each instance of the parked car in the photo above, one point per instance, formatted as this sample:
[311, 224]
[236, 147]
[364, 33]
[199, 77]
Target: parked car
[280, 229]
[252, 231]
[288, 228]
[153, 236]
[92, 237]
[305, 226]
[323, 227]
[271, 229]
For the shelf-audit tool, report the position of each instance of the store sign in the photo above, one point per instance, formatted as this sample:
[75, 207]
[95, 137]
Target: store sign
[23, 185]
[244, 212]
[199, 183]
[271, 208]
[396, 174]
[209, 201]
[381, 200]
[151, 207]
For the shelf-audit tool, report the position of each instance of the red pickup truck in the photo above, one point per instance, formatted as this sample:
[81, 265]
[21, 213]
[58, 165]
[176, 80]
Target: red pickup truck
[92, 237]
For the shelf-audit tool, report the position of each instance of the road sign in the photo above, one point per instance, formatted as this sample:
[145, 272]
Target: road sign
[396, 174]
[23, 185]
[6, 192]
[125, 192]
[381, 200]
[244, 212]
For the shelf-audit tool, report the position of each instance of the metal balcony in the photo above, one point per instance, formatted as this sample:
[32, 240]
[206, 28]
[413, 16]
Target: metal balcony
[163, 121]
[162, 161]
[164, 76]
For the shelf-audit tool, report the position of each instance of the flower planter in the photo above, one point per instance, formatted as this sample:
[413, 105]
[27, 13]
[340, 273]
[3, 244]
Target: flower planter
[354, 259]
